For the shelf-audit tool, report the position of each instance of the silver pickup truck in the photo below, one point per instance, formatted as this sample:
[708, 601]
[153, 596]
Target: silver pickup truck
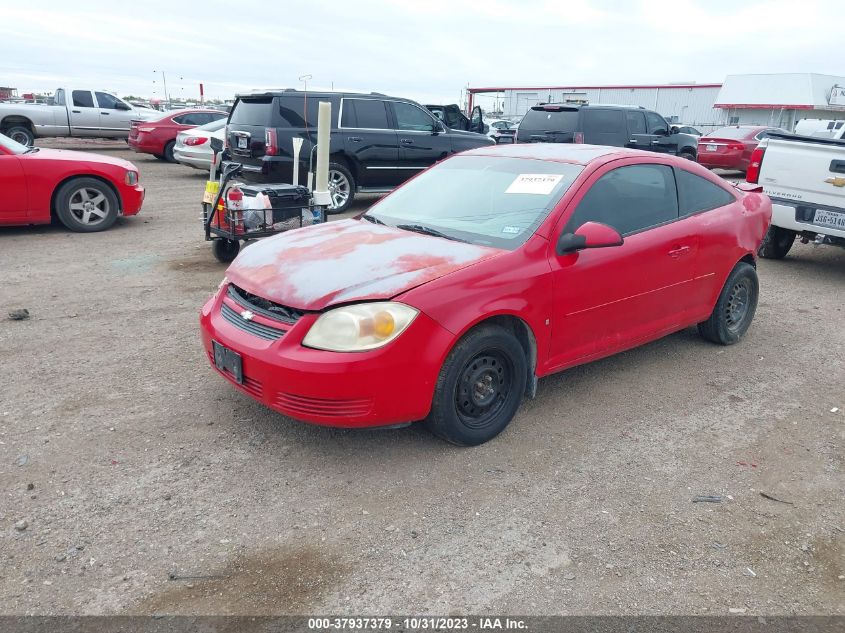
[805, 178]
[71, 112]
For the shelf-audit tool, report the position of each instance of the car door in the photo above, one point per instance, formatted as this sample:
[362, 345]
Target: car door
[609, 299]
[638, 136]
[114, 114]
[14, 201]
[84, 116]
[662, 140]
[422, 139]
[371, 142]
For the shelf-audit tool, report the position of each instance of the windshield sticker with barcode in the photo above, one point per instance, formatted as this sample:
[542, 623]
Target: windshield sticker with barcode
[513, 230]
[542, 184]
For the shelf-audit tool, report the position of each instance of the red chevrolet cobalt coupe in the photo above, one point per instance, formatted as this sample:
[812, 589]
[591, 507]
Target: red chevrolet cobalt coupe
[450, 297]
[85, 192]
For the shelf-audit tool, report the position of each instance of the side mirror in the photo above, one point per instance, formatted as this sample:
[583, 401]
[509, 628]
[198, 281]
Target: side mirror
[674, 130]
[437, 127]
[588, 235]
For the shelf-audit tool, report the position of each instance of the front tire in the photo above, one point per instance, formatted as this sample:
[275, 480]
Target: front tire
[688, 155]
[341, 188]
[735, 307]
[21, 134]
[776, 243]
[480, 387]
[168, 152]
[86, 205]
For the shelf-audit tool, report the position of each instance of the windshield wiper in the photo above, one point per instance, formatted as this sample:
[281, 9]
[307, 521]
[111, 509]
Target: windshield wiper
[372, 218]
[427, 230]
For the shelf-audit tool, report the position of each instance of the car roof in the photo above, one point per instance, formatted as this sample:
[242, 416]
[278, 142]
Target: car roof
[578, 153]
[310, 93]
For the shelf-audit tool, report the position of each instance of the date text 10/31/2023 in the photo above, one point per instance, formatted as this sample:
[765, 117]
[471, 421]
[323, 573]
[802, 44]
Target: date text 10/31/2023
[421, 623]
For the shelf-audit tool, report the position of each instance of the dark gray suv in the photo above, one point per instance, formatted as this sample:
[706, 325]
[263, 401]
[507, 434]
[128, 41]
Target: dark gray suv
[377, 142]
[617, 126]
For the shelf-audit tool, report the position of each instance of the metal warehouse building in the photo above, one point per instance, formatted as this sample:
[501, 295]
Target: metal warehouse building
[775, 99]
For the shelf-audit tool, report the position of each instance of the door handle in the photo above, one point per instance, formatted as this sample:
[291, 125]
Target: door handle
[354, 139]
[676, 252]
[406, 141]
[655, 142]
[105, 112]
[76, 111]
[633, 140]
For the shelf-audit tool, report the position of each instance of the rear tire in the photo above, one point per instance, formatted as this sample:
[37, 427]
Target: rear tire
[776, 243]
[225, 250]
[480, 387]
[341, 188]
[21, 134]
[86, 205]
[168, 152]
[735, 307]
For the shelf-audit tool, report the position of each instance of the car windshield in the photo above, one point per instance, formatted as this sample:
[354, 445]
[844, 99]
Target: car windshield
[484, 200]
[733, 132]
[13, 146]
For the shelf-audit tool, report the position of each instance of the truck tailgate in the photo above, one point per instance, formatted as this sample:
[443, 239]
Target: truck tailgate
[804, 171]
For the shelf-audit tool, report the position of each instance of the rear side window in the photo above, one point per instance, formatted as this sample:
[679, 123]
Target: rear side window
[636, 122]
[604, 127]
[698, 194]
[253, 112]
[538, 119]
[365, 113]
[83, 99]
[630, 199]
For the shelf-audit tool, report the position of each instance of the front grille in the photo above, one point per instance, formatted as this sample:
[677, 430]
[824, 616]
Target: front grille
[265, 307]
[298, 405]
[256, 329]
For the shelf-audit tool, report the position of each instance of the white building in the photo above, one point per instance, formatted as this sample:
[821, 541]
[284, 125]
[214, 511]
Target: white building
[776, 99]
[781, 99]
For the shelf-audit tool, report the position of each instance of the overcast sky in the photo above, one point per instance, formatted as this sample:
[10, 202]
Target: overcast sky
[426, 50]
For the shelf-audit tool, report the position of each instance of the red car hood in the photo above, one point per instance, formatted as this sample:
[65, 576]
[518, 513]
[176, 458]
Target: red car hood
[45, 153]
[348, 260]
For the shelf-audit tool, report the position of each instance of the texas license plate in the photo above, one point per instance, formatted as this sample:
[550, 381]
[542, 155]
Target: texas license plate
[829, 219]
[242, 141]
[228, 361]
[711, 148]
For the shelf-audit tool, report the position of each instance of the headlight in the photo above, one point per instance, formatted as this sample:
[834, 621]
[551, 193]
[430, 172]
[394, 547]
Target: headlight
[359, 327]
[131, 178]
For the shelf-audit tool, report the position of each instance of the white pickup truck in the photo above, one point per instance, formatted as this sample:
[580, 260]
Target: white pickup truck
[71, 112]
[805, 178]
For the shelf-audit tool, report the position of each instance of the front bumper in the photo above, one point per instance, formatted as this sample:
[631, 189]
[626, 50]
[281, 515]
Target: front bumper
[390, 385]
[132, 198]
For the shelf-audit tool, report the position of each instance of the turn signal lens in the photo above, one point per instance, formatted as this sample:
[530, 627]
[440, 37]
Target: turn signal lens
[361, 327]
[131, 178]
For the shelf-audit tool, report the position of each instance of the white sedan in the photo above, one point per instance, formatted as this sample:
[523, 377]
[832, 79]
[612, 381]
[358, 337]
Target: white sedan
[193, 147]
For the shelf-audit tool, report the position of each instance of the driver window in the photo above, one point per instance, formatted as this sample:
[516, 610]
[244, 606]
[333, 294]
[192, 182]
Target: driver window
[106, 101]
[410, 117]
[630, 199]
[656, 124]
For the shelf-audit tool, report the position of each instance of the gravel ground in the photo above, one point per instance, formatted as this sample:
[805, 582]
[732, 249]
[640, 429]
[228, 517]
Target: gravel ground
[135, 480]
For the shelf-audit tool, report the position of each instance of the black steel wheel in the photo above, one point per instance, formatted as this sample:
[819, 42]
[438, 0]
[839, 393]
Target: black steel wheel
[776, 243]
[735, 307]
[480, 387]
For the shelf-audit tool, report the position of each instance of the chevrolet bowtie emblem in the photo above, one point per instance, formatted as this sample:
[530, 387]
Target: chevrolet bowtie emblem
[246, 315]
[836, 182]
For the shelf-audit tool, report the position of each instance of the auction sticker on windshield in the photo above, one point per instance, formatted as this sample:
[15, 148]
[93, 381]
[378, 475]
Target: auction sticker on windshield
[542, 184]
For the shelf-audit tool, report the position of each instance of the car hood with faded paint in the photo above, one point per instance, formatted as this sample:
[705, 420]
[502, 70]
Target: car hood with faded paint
[346, 261]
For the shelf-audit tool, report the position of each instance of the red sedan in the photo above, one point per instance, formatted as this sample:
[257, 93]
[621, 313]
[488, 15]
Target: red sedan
[159, 137]
[449, 298]
[731, 147]
[86, 192]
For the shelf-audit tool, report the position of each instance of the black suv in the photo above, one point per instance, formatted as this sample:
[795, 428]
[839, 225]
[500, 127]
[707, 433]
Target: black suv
[617, 126]
[377, 142]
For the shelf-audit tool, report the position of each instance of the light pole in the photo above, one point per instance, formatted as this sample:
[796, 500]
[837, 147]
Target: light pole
[164, 81]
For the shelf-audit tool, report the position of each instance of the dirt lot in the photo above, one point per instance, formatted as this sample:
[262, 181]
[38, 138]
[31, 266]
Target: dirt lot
[131, 461]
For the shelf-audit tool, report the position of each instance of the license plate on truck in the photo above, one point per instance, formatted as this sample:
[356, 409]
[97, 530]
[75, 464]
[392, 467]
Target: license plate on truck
[242, 140]
[228, 361]
[829, 219]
